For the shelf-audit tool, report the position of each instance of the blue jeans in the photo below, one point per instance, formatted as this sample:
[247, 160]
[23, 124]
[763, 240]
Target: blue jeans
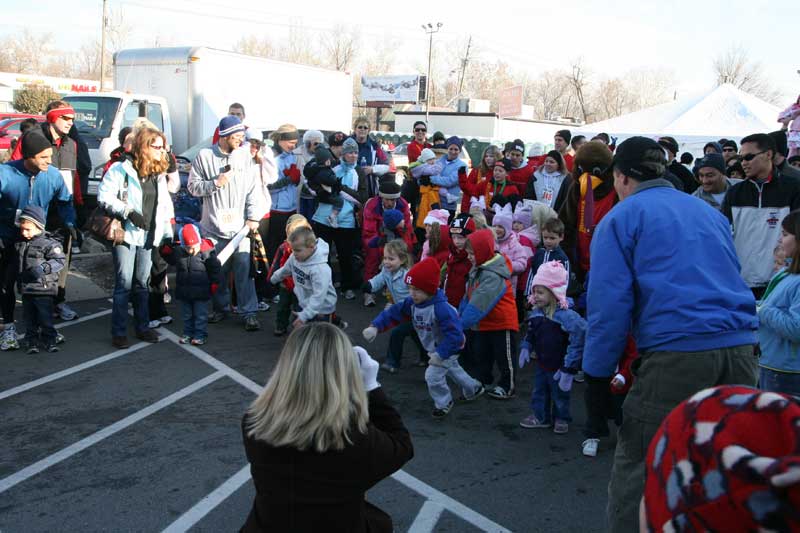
[195, 318]
[783, 382]
[547, 400]
[246, 299]
[132, 267]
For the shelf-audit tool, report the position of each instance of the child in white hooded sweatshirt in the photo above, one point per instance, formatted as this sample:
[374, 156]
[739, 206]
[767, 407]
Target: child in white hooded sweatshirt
[308, 267]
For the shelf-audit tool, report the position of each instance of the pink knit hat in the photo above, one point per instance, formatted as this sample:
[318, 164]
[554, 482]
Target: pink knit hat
[553, 275]
[437, 215]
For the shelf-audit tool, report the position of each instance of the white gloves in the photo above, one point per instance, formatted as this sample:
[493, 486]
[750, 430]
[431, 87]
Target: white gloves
[369, 368]
[370, 333]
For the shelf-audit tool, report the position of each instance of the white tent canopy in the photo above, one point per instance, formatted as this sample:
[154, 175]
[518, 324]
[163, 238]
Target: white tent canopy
[725, 111]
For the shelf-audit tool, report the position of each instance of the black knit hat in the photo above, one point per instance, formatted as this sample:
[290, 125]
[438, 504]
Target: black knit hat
[730, 144]
[389, 190]
[322, 154]
[463, 225]
[517, 145]
[564, 134]
[34, 143]
[669, 143]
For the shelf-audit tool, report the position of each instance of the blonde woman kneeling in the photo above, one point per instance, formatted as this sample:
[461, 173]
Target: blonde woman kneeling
[319, 436]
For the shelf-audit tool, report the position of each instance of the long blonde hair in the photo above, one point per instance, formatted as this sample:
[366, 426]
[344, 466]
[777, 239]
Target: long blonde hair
[315, 397]
[399, 248]
[146, 165]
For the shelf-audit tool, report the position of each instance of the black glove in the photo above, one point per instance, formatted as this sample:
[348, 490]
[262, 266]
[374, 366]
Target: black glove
[425, 180]
[366, 287]
[137, 220]
[462, 171]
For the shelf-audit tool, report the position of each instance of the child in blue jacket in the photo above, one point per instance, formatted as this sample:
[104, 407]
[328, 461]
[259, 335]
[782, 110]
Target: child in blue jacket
[440, 332]
[556, 334]
[779, 317]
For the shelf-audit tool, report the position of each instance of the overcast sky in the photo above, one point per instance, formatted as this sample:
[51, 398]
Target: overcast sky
[613, 36]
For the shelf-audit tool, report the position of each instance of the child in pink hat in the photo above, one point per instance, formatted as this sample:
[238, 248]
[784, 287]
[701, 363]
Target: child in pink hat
[558, 356]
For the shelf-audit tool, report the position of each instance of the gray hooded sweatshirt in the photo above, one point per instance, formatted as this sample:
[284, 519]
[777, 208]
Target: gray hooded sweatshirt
[313, 285]
[226, 209]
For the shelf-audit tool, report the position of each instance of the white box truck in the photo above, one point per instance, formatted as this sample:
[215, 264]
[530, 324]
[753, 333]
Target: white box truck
[186, 90]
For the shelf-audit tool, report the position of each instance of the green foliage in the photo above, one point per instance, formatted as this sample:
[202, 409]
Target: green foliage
[34, 98]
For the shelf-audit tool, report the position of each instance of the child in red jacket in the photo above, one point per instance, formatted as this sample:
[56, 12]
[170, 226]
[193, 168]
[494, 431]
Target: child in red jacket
[286, 297]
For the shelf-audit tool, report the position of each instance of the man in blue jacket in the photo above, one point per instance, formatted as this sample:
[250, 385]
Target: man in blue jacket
[664, 267]
[30, 180]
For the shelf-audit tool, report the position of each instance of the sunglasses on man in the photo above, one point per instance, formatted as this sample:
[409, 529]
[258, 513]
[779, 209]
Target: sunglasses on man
[750, 157]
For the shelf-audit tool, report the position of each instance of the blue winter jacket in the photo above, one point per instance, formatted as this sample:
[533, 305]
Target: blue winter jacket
[573, 327]
[779, 329]
[18, 188]
[347, 176]
[435, 321]
[394, 282]
[641, 274]
[284, 192]
[448, 180]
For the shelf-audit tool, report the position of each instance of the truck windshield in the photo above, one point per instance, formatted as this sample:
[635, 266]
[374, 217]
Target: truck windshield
[94, 117]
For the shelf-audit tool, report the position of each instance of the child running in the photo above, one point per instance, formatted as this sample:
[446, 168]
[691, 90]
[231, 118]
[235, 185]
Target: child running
[392, 277]
[313, 287]
[197, 278]
[41, 258]
[556, 335]
[286, 297]
[439, 330]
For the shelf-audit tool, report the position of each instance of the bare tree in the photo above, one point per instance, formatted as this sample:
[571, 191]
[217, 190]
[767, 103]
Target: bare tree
[340, 46]
[735, 67]
[577, 78]
[256, 46]
[550, 94]
[28, 53]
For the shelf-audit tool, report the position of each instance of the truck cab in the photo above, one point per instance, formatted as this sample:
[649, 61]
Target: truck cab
[99, 118]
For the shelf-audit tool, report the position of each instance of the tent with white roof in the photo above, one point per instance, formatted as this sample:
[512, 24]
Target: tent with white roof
[724, 111]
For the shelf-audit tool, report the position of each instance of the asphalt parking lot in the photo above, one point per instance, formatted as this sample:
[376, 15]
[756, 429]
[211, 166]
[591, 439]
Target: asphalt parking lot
[148, 439]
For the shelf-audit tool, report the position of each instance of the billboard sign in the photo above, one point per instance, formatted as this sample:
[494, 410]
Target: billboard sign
[398, 89]
[510, 102]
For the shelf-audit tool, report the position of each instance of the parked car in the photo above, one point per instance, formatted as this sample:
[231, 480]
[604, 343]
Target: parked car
[9, 129]
[400, 158]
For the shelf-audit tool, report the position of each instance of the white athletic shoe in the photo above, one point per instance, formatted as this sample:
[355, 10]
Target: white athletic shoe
[153, 324]
[8, 339]
[66, 312]
[590, 447]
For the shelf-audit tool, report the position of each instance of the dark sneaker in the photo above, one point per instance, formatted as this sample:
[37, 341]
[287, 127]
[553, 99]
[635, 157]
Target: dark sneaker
[478, 394]
[279, 332]
[216, 316]
[251, 323]
[441, 413]
[32, 349]
[52, 348]
[499, 393]
[147, 335]
[120, 342]
[60, 338]
[531, 422]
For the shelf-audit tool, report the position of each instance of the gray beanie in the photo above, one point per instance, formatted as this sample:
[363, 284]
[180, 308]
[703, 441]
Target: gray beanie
[350, 146]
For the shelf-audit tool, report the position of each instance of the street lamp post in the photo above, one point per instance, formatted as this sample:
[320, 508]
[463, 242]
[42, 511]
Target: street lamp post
[430, 29]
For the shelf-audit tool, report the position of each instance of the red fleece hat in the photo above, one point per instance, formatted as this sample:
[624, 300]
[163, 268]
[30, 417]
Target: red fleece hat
[726, 459]
[482, 242]
[190, 235]
[425, 275]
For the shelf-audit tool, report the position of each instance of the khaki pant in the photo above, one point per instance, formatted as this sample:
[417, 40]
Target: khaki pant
[663, 380]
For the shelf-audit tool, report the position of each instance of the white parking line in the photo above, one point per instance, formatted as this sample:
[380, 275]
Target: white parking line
[209, 502]
[83, 319]
[69, 371]
[426, 519]
[457, 508]
[94, 438]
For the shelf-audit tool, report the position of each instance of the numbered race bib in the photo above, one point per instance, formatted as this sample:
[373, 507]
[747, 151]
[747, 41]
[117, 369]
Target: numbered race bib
[67, 175]
[229, 220]
[547, 196]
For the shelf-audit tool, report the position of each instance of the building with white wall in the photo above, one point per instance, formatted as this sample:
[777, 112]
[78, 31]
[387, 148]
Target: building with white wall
[11, 82]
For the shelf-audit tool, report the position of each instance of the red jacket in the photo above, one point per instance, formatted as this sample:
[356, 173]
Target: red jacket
[415, 149]
[373, 221]
[468, 183]
[630, 355]
[521, 176]
[569, 160]
[486, 188]
[281, 256]
[455, 281]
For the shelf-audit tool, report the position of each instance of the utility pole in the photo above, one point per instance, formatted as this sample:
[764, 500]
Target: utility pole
[464, 66]
[103, 46]
[430, 29]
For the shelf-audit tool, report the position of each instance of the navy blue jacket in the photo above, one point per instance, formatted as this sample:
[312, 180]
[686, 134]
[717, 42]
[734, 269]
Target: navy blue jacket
[39, 262]
[195, 274]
